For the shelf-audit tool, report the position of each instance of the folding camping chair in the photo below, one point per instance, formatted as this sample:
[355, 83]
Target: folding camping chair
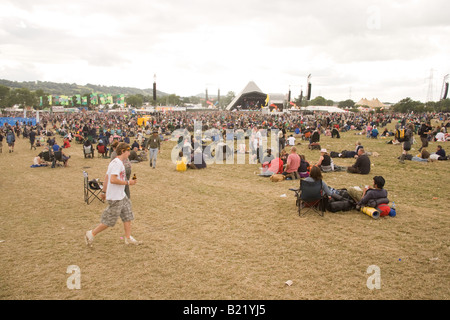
[310, 197]
[88, 151]
[58, 159]
[48, 156]
[102, 151]
[92, 189]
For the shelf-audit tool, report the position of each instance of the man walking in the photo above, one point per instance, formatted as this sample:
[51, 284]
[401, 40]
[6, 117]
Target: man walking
[32, 139]
[154, 146]
[424, 131]
[118, 202]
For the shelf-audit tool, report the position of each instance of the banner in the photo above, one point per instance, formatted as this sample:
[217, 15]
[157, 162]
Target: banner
[94, 99]
[102, 99]
[120, 99]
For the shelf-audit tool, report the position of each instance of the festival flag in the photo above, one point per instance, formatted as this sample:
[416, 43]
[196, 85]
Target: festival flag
[102, 98]
[49, 98]
[120, 99]
[64, 100]
[78, 97]
[267, 100]
[84, 101]
[109, 99]
[40, 101]
[94, 99]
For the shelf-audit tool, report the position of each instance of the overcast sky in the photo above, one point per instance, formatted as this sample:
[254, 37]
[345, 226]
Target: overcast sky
[353, 49]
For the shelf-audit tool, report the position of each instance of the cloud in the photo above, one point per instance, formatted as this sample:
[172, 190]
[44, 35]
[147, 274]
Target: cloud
[193, 44]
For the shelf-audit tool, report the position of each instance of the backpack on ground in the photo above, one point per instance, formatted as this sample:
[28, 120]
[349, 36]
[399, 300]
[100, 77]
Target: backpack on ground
[340, 201]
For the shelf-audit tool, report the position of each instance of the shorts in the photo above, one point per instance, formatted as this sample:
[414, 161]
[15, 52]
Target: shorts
[116, 209]
[424, 142]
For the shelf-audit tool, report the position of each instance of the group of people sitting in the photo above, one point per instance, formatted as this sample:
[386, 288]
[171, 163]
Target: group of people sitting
[51, 155]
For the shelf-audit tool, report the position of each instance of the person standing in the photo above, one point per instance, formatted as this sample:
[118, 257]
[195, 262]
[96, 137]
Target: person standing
[1, 140]
[424, 131]
[32, 136]
[10, 139]
[119, 205]
[407, 144]
[154, 145]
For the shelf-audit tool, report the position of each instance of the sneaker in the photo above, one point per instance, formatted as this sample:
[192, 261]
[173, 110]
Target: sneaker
[132, 241]
[89, 237]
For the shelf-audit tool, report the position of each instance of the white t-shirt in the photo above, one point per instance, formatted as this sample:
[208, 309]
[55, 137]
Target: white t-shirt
[291, 141]
[116, 191]
[440, 136]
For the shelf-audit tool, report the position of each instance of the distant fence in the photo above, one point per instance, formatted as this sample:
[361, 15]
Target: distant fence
[13, 120]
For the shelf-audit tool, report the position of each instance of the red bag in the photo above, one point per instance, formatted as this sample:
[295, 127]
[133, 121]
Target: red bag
[384, 210]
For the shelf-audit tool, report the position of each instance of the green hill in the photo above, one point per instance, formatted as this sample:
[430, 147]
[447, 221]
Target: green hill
[73, 88]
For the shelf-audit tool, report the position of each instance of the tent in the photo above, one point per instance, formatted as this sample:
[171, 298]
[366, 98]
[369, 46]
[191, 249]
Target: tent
[329, 109]
[374, 103]
[251, 97]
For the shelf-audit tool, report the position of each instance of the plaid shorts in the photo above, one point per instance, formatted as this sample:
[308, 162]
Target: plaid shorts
[116, 209]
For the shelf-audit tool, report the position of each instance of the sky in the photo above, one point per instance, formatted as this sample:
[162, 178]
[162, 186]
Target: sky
[385, 49]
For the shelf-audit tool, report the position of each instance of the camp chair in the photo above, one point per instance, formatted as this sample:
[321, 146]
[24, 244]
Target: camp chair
[310, 197]
[92, 189]
[48, 156]
[79, 139]
[57, 159]
[102, 150]
[88, 151]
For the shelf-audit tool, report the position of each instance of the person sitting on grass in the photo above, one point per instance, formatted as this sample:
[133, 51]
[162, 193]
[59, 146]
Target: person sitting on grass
[370, 196]
[181, 162]
[324, 162]
[362, 164]
[293, 162]
[303, 168]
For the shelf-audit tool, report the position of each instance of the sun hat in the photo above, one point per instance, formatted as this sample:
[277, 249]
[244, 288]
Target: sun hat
[323, 150]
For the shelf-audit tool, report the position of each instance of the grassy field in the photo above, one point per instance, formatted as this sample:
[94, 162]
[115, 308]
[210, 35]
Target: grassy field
[223, 232]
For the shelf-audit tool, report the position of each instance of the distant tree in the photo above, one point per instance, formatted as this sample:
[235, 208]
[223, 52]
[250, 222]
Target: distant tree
[227, 99]
[346, 104]
[135, 101]
[318, 101]
[407, 105]
[23, 97]
[4, 96]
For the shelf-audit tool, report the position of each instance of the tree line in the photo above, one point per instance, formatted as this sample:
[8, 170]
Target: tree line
[24, 97]
[37, 99]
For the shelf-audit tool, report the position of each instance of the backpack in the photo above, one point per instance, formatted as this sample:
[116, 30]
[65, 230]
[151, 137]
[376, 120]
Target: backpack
[340, 201]
[340, 205]
[400, 135]
[384, 209]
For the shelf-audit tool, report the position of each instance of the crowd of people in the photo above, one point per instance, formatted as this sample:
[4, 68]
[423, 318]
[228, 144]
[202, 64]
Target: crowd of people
[105, 132]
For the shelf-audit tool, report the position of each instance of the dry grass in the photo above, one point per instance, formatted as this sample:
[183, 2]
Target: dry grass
[222, 233]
